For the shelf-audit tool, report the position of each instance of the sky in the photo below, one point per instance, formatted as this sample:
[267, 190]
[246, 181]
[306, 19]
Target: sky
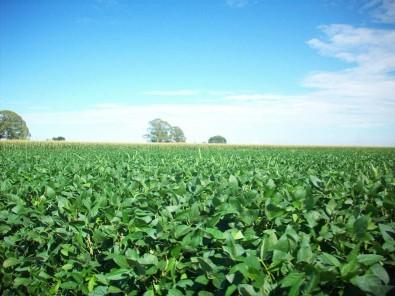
[311, 72]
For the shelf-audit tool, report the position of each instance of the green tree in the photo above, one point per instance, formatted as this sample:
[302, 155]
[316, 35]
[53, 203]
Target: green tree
[12, 126]
[160, 131]
[60, 138]
[217, 140]
[178, 135]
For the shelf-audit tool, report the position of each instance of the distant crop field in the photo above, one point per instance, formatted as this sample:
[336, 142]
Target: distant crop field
[203, 220]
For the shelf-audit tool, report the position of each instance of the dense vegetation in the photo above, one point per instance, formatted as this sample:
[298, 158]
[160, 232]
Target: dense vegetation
[217, 140]
[12, 126]
[160, 131]
[195, 220]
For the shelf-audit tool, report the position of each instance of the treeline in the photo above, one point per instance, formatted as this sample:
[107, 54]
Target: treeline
[13, 127]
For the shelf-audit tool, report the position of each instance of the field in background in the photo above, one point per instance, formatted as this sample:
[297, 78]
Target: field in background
[184, 219]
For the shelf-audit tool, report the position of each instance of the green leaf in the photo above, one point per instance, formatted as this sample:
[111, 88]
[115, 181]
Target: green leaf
[349, 268]
[172, 209]
[202, 279]
[371, 284]
[184, 283]
[149, 293]
[69, 285]
[361, 226]
[230, 277]
[329, 259]
[117, 274]
[369, 259]
[291, 279]
[246, 290]
[312, 281]
[272, 211]
[305, 254]
[386, 230]
[206, 264]
[67, 266]
[291, 233]
[99, 291]
[63, 203]
[381, 273]
[270, 184]
[205, 293]
[300, 193]
[91, 283]
[181, 230]
[252, 262]
[237, 234]
[330, 207]
[315, 181]
[121, 261]
[234, 250]
[44, 275]
[49, 192]
[282, 245]
[174, 292]
[217, 234]
[148, 259]
[233, 183]
[20, 281]
[230, 290]
[312, 217]
[268, 243]
[113, 289]
[10, 262]
[294, 280]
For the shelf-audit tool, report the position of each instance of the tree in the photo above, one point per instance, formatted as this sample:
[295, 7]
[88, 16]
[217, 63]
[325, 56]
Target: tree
[178, 135]
[60, 138]
[160, 131]
[12, 126]
[217, 140]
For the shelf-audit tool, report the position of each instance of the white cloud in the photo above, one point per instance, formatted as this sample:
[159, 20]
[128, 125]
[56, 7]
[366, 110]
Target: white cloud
[172, 93]
[129, 122]
[253, 97]
[237, 3]
[383, 11]
[297, 120]
[371, 54]
[374, 49]
[353, 106]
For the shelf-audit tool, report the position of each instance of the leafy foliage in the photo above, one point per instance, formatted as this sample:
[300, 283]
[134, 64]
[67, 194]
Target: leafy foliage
[60, 138]
[160, 131]
[177, 135]
[12, 126]
[195, 220]
[217, 140]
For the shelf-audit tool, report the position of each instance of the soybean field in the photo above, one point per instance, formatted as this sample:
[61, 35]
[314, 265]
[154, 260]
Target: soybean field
[118, 219]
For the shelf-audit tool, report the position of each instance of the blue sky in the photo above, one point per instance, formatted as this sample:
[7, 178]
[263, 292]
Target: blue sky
[255, 71]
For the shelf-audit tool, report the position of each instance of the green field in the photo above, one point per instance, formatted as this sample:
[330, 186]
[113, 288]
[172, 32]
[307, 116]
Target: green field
[196, 220]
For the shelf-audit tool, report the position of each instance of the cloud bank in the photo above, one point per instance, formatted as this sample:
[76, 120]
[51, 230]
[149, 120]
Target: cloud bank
[355, 105]
[382, 11]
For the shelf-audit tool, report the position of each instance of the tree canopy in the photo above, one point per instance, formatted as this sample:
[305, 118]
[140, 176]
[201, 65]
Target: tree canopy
[12, 126]
[60, 138]
[178, 135]
[217, 140]
[160, 131]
